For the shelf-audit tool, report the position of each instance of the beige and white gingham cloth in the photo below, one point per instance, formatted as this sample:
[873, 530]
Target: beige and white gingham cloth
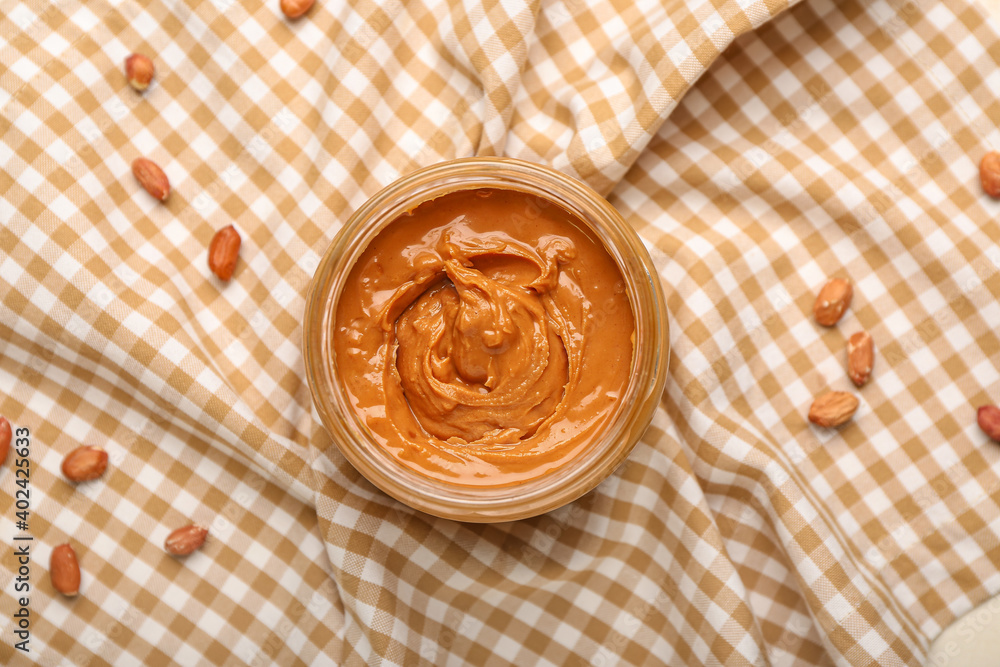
[758, 149]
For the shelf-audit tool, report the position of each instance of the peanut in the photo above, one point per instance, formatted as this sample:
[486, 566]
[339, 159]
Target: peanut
[85, 463]
[139, 71]
[64, 570]
[151, 177]
[860, 357]
[989, 174]
[989, 420]
[223, 252]
[833, 409]
[5, 438]
[832, 301]
[185, 540]
[293, 9]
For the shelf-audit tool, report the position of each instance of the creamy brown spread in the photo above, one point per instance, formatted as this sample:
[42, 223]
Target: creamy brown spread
[485, 337]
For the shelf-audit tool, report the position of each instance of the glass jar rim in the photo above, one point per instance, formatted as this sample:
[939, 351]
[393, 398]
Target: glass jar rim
[488, 503]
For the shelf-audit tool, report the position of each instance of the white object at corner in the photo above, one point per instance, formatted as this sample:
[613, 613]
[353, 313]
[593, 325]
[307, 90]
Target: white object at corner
[971, 641]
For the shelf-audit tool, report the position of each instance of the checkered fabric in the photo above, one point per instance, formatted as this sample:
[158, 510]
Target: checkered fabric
[758, 149]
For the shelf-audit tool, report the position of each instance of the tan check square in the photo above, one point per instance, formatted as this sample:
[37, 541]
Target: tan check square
[757, 155]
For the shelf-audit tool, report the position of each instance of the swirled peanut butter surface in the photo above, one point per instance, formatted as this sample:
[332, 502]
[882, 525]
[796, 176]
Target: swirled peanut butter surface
[485, 338]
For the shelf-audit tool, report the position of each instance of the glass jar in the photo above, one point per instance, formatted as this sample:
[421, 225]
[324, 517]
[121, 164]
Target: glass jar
[578, 475]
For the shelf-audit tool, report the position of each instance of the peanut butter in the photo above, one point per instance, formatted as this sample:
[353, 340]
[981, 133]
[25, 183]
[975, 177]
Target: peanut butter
[485, 337]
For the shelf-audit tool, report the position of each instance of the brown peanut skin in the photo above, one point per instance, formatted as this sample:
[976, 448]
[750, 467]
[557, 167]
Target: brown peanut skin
[151, 177]
[64, 570]
[223, 252]
[989, 420]
[833, 409]
[833, 301]
[185, 540]
[6, 435]
[860, 358]
[84, 464]
[989, 174]
[293, 9]
[139, 71]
